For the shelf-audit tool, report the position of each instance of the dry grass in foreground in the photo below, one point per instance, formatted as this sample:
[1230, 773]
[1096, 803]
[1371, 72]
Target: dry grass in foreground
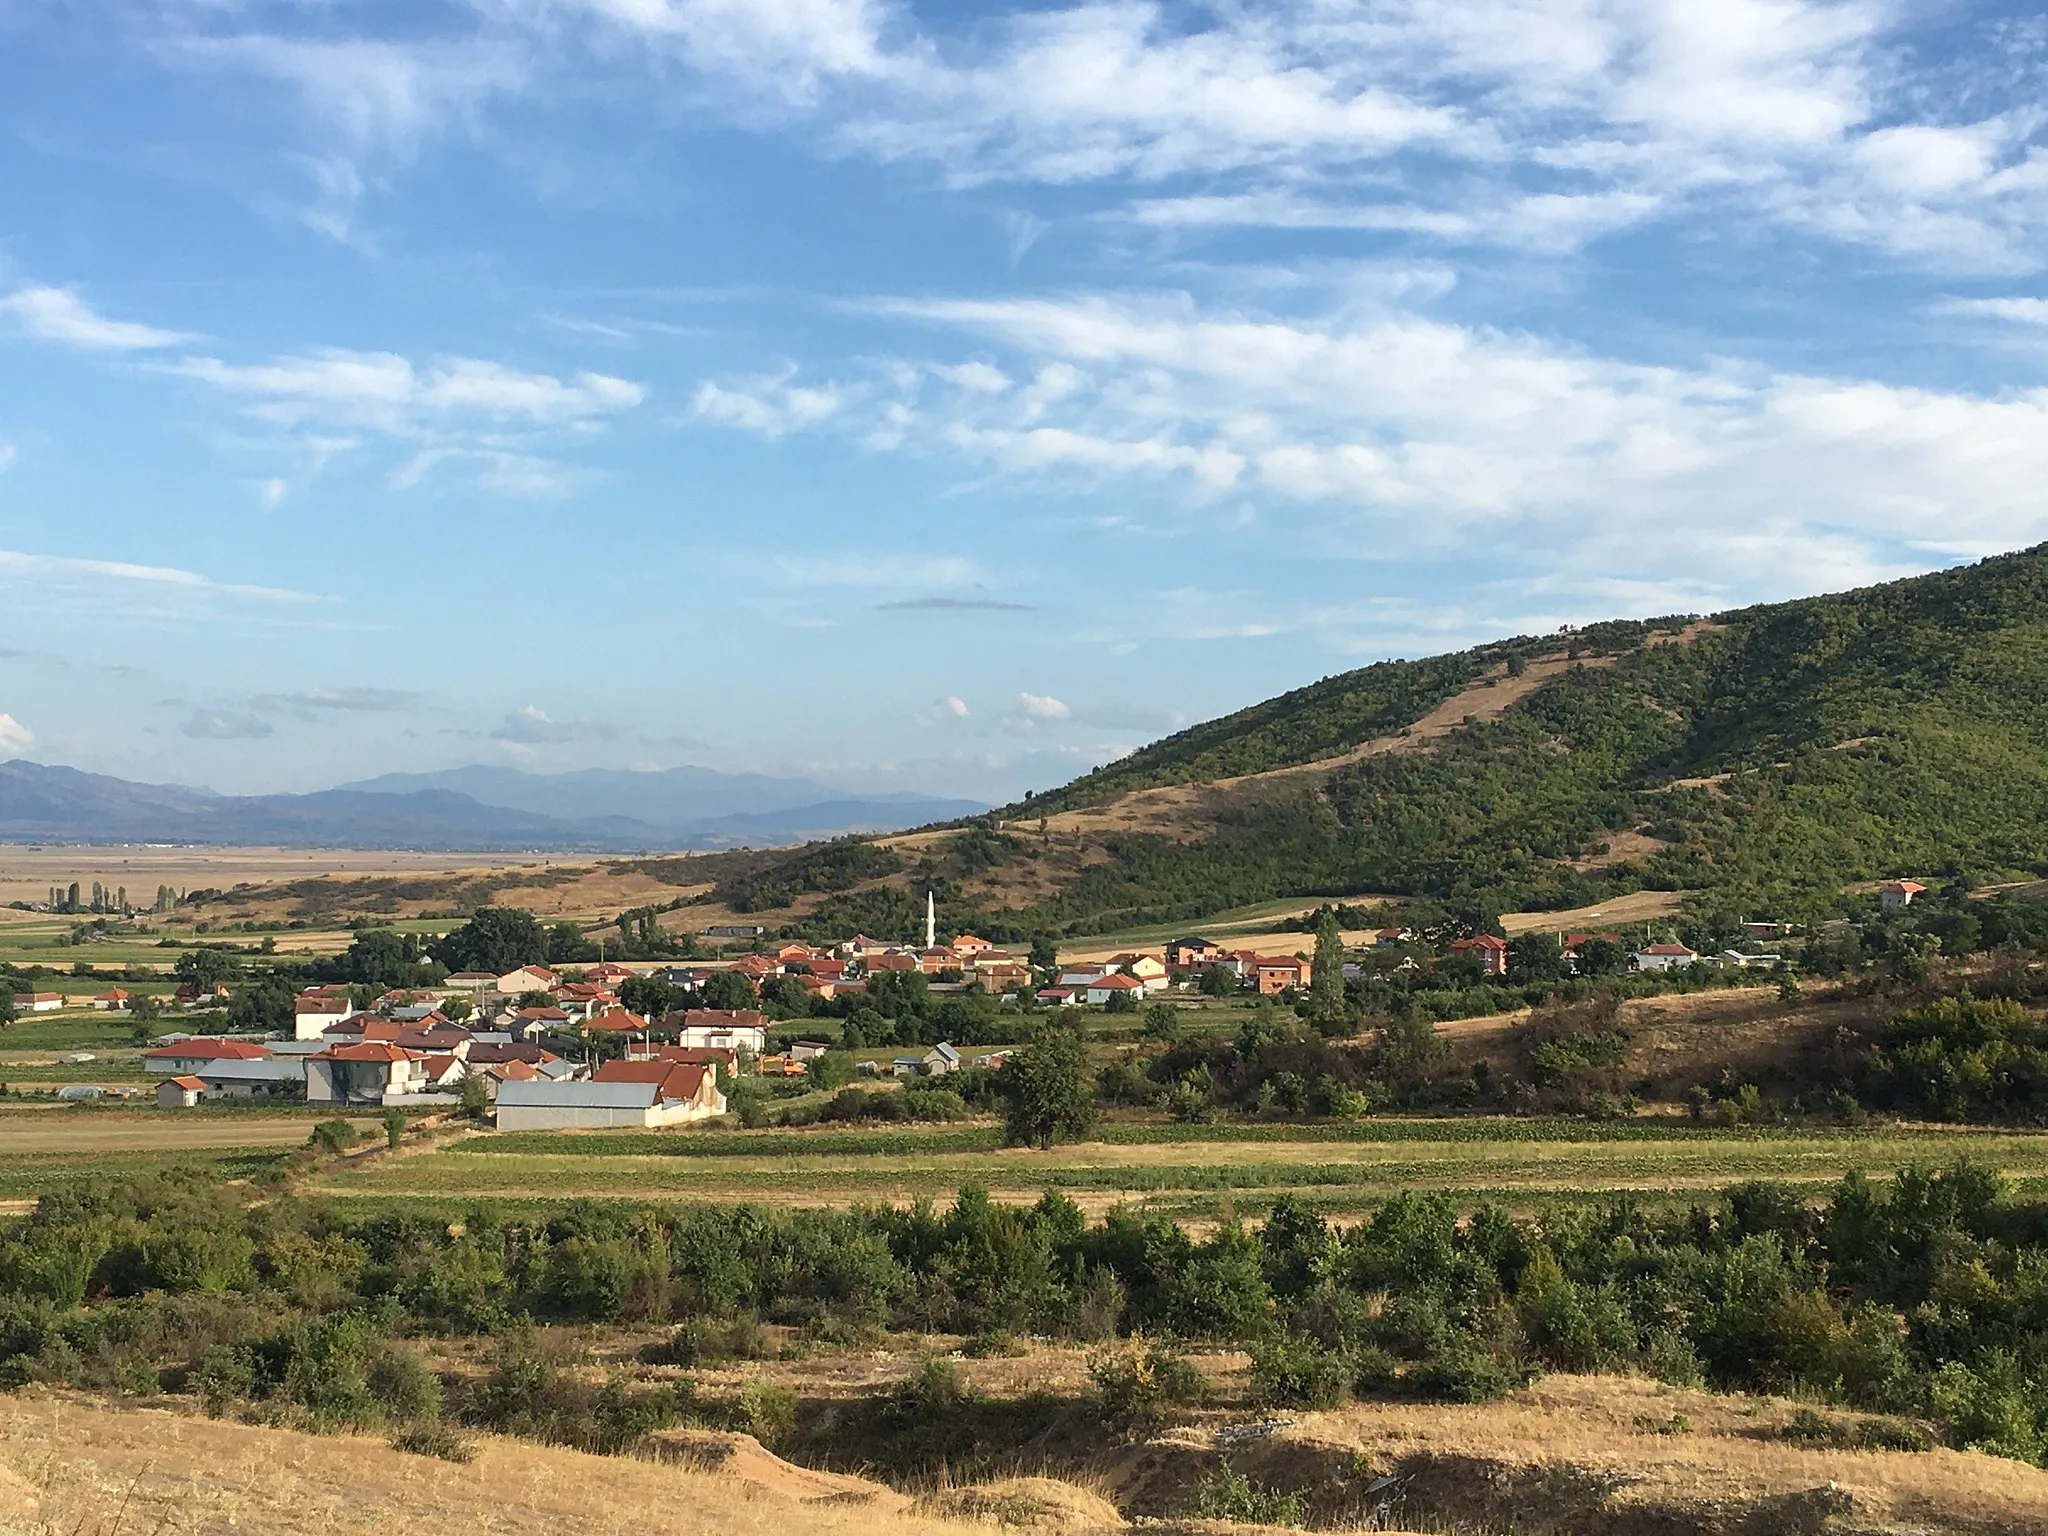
[73, 1468]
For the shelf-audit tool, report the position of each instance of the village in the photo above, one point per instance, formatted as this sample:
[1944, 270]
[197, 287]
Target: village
[539, 1048]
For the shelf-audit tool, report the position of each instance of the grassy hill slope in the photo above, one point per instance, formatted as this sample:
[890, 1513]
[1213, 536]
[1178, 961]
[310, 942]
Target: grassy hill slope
[1761, 761]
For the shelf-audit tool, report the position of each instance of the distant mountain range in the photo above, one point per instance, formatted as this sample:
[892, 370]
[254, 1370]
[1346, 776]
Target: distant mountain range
[477, 808]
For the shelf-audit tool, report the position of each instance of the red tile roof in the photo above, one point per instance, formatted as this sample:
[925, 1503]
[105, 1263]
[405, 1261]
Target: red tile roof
[209, 1050]
[368, 1050]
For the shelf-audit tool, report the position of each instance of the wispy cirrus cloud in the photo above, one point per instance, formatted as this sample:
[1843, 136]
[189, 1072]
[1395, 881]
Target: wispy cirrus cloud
[346, 700]
[16, 563]
[60, 315]
[952, 605]
[225, 725]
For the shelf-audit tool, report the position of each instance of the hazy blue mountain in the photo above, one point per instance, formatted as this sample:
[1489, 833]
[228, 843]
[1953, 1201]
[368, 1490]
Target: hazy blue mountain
[56, 804]
[696, 804]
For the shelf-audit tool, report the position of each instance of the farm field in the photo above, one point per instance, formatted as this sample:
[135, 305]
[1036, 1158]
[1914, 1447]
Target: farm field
[1198, 1171]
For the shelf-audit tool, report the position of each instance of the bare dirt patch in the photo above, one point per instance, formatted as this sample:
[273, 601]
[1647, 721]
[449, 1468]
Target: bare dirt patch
[1615, 913]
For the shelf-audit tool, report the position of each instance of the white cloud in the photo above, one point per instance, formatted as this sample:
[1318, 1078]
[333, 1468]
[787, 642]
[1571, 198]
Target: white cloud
[385, 390]
[954, 706]
[17, 563]
[15, 738]
[530, 725]
[225, 725]
[768, 406]
[2018, 311]
[1040, 706]
[1397, 433]
[6, 457]
[59, 314]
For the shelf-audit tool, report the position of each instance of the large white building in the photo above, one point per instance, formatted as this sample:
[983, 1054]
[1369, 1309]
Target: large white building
[636, 1094]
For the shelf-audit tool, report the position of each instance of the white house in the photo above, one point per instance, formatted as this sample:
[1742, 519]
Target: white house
[179, 1092]
[731, 1029]
[618, 1096]
[1664, 957]
[1897, 895]
[1116, 986]
[318, 1009]
[372, 1072]
[113, 1000]
[38, 1002]
[528, 978]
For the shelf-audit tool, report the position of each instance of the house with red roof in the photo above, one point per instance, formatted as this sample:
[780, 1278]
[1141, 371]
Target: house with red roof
[317, 1008]
[1663, 957]
[644, 1093]
[188, 1056]
[1897, 895]
[179, 1092]
[1192, 954]
[368, 1072]
[1490, 949]
[38, 1002]
[1116, 984]
[113, 1000]
[1274, 974]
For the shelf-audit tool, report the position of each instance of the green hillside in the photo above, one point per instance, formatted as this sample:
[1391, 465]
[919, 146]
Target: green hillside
[1901, 729]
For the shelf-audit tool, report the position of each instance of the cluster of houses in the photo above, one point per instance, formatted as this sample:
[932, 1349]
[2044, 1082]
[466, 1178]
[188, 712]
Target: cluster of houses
[1139, 976]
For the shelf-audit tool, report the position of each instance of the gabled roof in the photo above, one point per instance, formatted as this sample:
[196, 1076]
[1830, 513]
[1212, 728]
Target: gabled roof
[208, 1050]
[617, 1021]
[189, 1084]
[1668, 949]
[1482, 941]
[1904, 885]
[368, 1050]
[1115, 984]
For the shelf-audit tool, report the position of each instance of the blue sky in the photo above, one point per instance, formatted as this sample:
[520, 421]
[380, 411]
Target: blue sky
[947, 397]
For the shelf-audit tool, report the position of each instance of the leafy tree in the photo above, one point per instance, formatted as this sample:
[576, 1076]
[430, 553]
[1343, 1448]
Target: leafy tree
[204, 969]
[1046, 1090]
[650, 996]
[1537, 957]
[728, 989]
[496, 939]
[834, 1069]
[1162, 1022]
[1217, 981]
[1045, 954]
[265, 1001]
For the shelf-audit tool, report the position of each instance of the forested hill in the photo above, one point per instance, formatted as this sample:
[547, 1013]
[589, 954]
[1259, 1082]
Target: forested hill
[1760, 760]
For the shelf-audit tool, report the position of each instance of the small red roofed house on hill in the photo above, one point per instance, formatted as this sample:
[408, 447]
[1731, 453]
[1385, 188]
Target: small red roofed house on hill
[114, 1000]
[1489, 949]
[1663, 957]
[38, 1002]
[968, 945]
[609, 974]
[1897, 895]
[1393, 938]
[179, 1092]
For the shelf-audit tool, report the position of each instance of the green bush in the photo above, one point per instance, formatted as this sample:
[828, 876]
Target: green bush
[1227, 1494]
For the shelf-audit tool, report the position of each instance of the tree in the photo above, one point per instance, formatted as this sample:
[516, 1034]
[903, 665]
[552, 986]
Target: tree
[1600, 957]
[1537, 957]
[264, 1002]
[1045, 955]
[728, 989]
[1326, 990]
[6, 1007]
[1047, 1090]
[394, 1129]
[1162, 1022]
[496, 939]
[650, 996]
[204, 969]
[834, 1069]
[1218, 981]
[476, 1096]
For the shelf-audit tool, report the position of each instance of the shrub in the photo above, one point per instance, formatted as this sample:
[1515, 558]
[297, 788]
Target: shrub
[1227, 1494]
[1294, 1372]
[333, 1136]
[1136, 1381]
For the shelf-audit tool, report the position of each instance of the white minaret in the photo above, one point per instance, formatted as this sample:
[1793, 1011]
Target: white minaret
[931, 921]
